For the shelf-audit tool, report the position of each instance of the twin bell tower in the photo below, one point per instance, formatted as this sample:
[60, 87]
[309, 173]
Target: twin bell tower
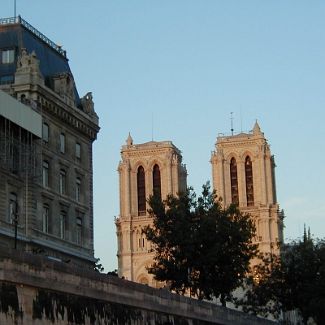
[242, 173]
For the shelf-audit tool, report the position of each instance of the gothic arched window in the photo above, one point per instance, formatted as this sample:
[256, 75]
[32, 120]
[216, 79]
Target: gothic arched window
[234, 181]
[249, 181]
[141, 185]
[156, 180]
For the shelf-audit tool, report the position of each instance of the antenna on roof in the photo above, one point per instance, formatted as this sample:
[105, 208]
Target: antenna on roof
[232, 123]
[152, 126]
[241, 122]
[15, 8]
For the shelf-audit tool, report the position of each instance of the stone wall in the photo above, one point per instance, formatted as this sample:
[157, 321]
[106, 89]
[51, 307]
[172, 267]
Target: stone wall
[35, 290]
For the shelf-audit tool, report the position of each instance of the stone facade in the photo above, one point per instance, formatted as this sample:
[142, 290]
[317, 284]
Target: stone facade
[37, 291]
[243, 173]
[54, 191]
[143, 168]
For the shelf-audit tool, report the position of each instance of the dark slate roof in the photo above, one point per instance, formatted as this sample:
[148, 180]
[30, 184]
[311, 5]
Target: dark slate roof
[16, 33]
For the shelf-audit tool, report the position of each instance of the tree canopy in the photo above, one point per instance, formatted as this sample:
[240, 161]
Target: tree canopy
[295, 280]
[201, 247]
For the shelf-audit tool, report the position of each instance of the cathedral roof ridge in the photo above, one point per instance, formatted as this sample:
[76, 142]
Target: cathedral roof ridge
[255, 132]
[150, 145]
[223, 136]
[158, 142]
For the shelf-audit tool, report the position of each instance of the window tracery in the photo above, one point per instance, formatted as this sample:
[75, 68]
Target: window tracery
[234, 181]
[141, 187]
[249, 181]
[156, 180]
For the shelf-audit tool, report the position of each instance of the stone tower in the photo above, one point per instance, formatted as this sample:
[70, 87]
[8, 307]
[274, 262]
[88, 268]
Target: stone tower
[243, 173]
[144, 168]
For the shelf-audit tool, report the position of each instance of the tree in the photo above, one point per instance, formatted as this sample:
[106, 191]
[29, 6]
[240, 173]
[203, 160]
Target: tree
[113, 273]
[98, 267]
[200, 247]
[295, 280]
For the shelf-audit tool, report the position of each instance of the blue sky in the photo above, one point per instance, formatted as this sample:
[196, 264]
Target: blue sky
[186, 65]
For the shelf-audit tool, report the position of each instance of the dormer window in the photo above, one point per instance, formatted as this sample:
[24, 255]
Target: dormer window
[7, 56]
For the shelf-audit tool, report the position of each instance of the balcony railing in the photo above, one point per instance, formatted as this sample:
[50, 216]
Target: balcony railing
[37, 33]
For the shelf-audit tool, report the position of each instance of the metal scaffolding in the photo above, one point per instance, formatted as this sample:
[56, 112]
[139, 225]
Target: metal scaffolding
[19, 150]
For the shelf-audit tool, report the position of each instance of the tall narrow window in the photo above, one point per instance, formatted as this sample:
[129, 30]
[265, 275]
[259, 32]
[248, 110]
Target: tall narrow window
[15, 159]
[156, 180]
[234, 181]
[141, 184]
[78, 188]
[79, 230]
[45, 174]
[7, 56]
[249, 181]
[62, 142]
[62, 182]
[78, 150]
[45, 217]
[45, 132]
[13, 208]
[62, 225]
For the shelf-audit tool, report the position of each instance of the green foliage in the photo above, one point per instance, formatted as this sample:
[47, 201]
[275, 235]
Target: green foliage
[200, 247]
[98, 267]
[113, 273]
[293, 281]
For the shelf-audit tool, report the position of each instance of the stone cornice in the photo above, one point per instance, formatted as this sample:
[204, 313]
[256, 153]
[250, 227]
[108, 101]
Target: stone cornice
[141, 153]
[239, 144]
[79, 123]
[152, 144]
[52, 103]
[240, 137]
[151, 147]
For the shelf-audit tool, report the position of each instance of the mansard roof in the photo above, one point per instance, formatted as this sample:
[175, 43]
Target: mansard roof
[17, 34]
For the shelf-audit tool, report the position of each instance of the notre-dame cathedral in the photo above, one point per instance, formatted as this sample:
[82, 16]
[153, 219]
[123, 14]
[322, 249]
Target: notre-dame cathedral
[242, 173]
